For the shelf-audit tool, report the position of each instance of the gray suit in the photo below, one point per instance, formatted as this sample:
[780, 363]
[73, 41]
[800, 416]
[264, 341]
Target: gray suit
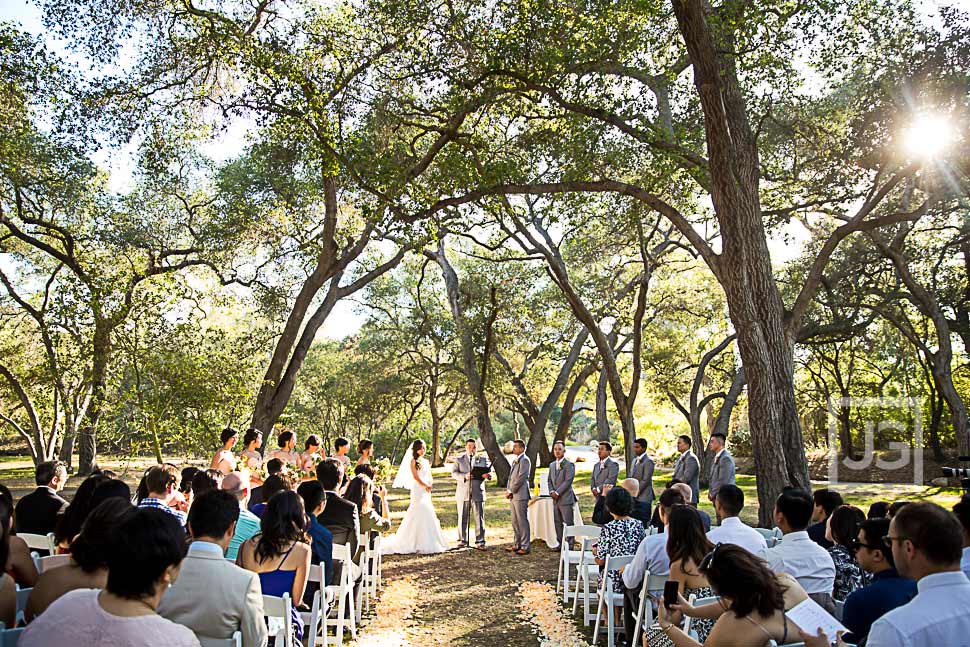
[603, 475]
[519, 489]
[470, 497]
[642, 471]
[687, 470]
[722, 473]
[561, 482]
[215, 598]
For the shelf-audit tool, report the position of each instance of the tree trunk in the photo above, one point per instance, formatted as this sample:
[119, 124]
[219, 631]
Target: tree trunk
[87, 460]
[602, 420]
[845, 427]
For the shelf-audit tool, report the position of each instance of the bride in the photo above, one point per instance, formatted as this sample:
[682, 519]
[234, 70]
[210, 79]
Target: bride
[420, 531]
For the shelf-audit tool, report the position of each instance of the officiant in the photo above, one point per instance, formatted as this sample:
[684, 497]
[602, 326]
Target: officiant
[471, 474]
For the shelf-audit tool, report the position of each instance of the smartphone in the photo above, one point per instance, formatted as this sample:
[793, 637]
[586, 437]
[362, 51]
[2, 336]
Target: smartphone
[671, 588]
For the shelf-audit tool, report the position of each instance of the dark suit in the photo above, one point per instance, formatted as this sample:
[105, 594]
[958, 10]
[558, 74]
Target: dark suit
[641, 511]
[255, 497]
[341, 518]
[816, 532]
[37, 512]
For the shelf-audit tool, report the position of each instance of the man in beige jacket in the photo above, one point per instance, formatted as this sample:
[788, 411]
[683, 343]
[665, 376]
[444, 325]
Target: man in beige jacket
[212, 596]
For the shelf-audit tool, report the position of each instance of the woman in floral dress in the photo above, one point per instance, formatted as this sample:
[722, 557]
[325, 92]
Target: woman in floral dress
[620, 536]
[842, 530]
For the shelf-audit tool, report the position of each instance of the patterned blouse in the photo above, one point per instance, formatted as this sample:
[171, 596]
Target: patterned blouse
[619, 537]
[849, 576]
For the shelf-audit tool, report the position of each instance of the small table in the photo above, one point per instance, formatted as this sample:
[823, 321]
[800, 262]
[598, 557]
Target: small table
[542, 521]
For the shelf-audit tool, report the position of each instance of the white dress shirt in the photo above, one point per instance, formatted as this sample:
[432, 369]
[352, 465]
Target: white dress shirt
[733, 531]
[651, 556]
[803, 559]
[939, 615]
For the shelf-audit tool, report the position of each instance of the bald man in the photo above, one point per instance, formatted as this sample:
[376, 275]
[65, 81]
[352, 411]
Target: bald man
[685, 489]
[641, 509]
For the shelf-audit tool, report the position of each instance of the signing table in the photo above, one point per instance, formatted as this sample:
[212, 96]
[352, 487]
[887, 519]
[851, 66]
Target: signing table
[542, 521]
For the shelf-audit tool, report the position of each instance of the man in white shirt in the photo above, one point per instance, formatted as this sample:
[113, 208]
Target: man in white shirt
[797, 554]
[651, 556]
[927, 544]
[729, 503]
[212, 596]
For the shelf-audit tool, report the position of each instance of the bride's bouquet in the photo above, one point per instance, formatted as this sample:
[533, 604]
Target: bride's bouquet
[382, 470]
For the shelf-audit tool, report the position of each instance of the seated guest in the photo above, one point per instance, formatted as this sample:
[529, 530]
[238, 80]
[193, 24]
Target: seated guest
[272, 486]
[17, 563]
[321, 539]
[248, 524]
[203, 481]
[360, 492]
[213, 597]
[752, 607]
[110, 489]
[683, 488]
[729, 502]
[888, 589]
[160, 484]
[621, 536]
[962, 511]
[274, 466]
[280, 553]
[37, 512]
[641, 509]
[926, 544]
[796, 554]
[340, 516]
[896, 507]
[69, 523]
[878, 510]
[687, 546]
[380, 491]
[88, 568]
[143, 562]
[8, 587]
[185, 485]
[843, 529]
[825, 502]
[651, 556]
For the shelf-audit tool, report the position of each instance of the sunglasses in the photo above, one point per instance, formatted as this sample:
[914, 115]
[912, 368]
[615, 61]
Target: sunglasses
[708, 560]
[856, 545]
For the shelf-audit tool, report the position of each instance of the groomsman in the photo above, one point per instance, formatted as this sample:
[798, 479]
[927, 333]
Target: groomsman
[687, 469]
[518, 494]
[642, 471]
[605, 473]
[722, 469]
[470, 495]
[561, 475]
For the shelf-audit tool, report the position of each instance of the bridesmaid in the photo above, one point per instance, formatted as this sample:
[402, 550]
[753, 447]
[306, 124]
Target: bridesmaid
[250, 457]
[224, 460]
[287, 452]
[313, 453]
[365, 451]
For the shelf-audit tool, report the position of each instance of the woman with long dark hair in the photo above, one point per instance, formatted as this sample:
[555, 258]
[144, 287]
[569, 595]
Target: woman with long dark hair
[69, 524]
[88, 568]
[17, 562]
[842, 529]
[752, 605]
[687, 546]
[281, 552]
[420, 530]
[360, 492]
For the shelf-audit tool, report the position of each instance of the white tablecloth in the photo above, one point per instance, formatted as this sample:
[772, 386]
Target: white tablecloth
[542, 520]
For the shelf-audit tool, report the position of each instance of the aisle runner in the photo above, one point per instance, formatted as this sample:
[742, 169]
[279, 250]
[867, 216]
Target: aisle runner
[540, 606]
[388, 627]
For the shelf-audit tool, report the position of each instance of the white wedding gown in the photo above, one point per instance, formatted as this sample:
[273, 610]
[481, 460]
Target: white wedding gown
[420, 531]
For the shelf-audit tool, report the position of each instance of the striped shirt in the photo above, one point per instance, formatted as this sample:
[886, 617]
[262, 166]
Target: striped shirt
[246, 527]
[152, 502]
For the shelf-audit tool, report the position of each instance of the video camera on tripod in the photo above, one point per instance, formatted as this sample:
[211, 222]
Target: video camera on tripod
[962, 473]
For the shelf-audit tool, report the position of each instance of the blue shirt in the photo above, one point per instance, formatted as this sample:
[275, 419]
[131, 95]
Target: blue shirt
[152, 502]
[939, 615]
[246, 526]
[863, 607]
[322, 548]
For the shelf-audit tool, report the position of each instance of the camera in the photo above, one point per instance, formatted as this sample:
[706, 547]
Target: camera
[962, 473]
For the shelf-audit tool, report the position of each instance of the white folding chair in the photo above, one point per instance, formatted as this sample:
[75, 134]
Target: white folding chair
[771, 542]
[40, 542]
[609, 598]
[10, 637]
[367, 565]
[767, 533]
[318, 608]
[235, 641]
[53, 561]
[588, 573]
[379, 573]
[343, 597]
[277, 609]
[687, 619]
[772, 643]
[652, 530]
[569, 557]
[839, 605]
[22, 596]
[644, 614]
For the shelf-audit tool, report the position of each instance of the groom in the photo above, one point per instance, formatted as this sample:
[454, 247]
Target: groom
[518, 495]
[470, 495]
